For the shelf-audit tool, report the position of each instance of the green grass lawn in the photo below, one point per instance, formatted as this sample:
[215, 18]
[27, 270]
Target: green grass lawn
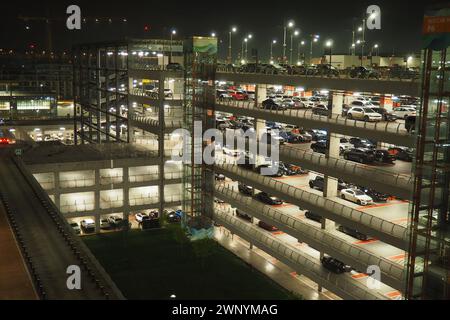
[153, 265]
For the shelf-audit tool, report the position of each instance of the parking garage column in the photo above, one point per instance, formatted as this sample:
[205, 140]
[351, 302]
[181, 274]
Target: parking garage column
[57, 193]
[260, 124]
[161, 118]
[126, 194]
[97, 200]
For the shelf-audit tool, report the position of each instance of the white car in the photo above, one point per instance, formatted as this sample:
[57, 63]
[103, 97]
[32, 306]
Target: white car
[357, 196]
[141, 217]
[344, 144]
[363, 113]
[168, 93]
[308, 103]
[87, 225]
[403, 112]
[231, 152]
[114, 220]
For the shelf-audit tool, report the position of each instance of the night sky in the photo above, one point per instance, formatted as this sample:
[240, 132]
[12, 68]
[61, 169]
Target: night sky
[401, 22]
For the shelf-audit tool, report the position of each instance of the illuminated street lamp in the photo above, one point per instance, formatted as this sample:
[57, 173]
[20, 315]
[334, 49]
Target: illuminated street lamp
[246, 40]
[289, 25]
[213, 34]
[230, 57]
[172, 33]
[376, 47]
[300, 44]
[314, 38]
[329, 45]
[295, 33]
[271, 48]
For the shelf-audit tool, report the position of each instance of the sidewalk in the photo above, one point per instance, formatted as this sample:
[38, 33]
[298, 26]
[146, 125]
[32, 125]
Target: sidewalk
[272, 268]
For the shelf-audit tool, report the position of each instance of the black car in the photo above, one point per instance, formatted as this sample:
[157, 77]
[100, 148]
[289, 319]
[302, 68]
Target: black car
[387, 116]
[320, 146]
[267, 226]
[313, 216]
[320, 109]
[319, 183]
[400, 153]
[364, 73]
[287, 171]
[353, 232]
[174, 66]
[403, 73]
[360, 155]
[272, 105]
[327, 70]
[375, 195]
[245, 189]
[268, 199]
[172, 216]
[361, 143]
[333, 264]
[243, 215]
[384, 156]
[290, 137]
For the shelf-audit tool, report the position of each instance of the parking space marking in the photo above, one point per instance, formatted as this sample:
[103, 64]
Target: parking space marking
[366, 241]
[399, 220]
[397, 257]
[359, 276]
[393, 294]
[379, 205]
[284, 205]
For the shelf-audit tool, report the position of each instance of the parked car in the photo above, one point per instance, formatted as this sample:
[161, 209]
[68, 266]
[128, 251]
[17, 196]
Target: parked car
[296, 169]
[317, 134]
[104, 224]
[87, 225]
[363, 113]
[173, 216]
[243, 215]
[319, 183]
[141, 216]
[375, 195]
[385, 114]
[238, 95]
[267, 226]
[403, 73]
[268, 199]
[223, 95]
[231, 152]
[313, 216]
[364, 73]
[287, 171]
[219, 177]
[384, 156]
[401, 153]
[115, 220]
[320, 146]
[168, 93]
[333, 265]
[174, 66]
[75, 227]
[353, 232]
[273, 171]
[361, 143]
[320, 109]
[270, 104]
[327, 70]
[403, 112]
[245, 189]
[360, 155]
[357, 196]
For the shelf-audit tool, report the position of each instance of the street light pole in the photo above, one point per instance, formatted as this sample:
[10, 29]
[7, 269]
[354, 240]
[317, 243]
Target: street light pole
[271, 48]
[363, 40]
[290, 25]
[230, 58]
[353, 42]
[171, 38]
[295, 33]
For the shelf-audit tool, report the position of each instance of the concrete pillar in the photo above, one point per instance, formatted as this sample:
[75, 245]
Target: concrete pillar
[260, 93]
[126, 193]
[97, 201]
[161, 145]
[337, 101]
[57, 189]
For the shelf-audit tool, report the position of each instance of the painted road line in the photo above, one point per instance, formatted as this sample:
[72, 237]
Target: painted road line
[359, 276]
[277, 233]
[366, 241]
[293, 274]
[395, 295]
[379, 205]
[397, 257]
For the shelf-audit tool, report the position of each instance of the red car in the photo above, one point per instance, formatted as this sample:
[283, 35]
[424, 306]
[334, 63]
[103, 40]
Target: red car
[238, 95]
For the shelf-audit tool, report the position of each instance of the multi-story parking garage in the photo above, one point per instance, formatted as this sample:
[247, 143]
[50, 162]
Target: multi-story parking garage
[138, 92]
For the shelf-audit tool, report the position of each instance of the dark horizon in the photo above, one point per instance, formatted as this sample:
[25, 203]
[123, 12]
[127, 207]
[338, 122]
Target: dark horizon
[400, 34]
